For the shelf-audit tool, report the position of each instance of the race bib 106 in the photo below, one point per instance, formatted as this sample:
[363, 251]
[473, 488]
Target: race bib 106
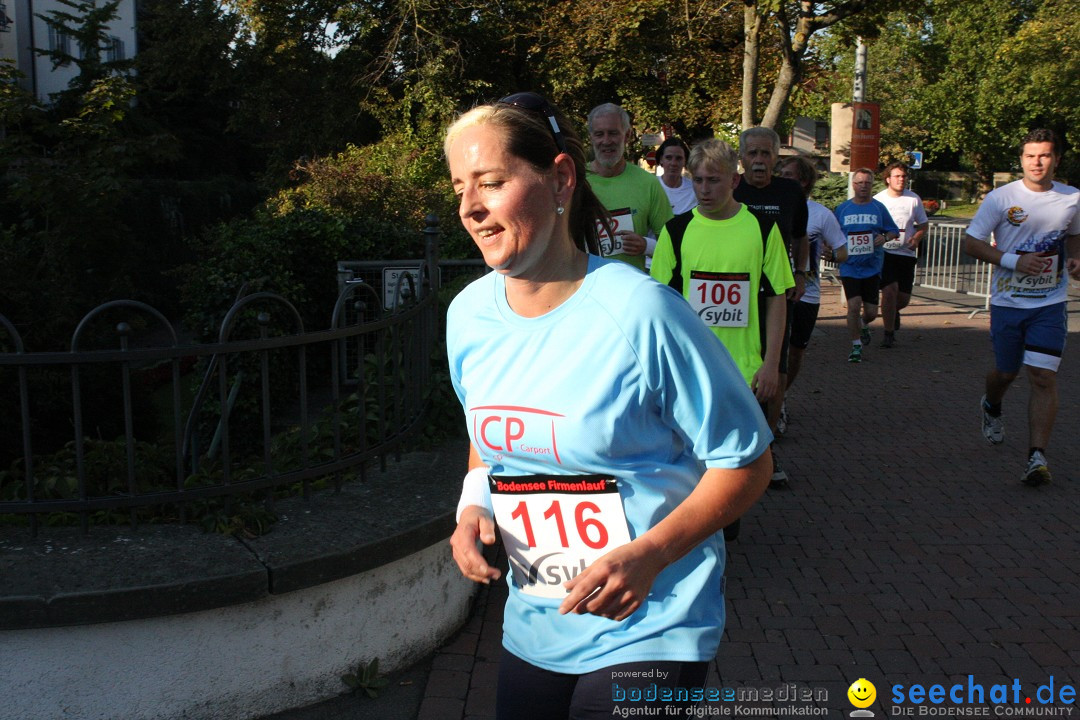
[721, 299]
[621, 220]
[860, 244]
[555, 526]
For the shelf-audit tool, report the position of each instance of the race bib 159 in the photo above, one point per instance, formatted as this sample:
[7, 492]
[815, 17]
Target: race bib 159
[860, 244]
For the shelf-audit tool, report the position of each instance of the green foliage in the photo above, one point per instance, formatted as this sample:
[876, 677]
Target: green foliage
[293, 254]
[87, 24]
[66, 183]
[187, 83]
[831, 189]
[965, 81]
[383, 192]
[105, 462]
[105, 470]
[366, 678]
[664, 64]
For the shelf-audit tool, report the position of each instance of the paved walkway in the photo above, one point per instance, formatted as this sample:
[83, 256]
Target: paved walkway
[906, 550]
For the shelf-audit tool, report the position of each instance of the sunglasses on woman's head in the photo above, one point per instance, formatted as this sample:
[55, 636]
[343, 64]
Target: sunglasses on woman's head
[536, 103]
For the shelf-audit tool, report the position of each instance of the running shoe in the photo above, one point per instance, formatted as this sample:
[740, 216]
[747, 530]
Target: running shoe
[856, 354]
[888, 341]
[781, 424]
[1036, 473]
[993, 428]
[779, 477]
[866, 335]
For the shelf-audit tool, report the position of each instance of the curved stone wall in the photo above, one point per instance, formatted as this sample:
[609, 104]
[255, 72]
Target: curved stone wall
[165, 622]
[242, 661]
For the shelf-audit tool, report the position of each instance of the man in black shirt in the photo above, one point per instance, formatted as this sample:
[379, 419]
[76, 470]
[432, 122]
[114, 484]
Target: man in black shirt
[782, 201]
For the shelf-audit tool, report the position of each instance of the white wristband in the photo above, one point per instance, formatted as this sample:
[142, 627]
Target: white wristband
[650, 244]
[1008, 260]
[474, 490]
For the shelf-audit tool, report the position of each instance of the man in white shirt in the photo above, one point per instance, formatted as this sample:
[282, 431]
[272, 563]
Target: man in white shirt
[901, 255]
[825, 235]
[1035, 223]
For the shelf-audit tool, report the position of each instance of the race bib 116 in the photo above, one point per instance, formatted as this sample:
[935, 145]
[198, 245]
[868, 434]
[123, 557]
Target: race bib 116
[555, 526]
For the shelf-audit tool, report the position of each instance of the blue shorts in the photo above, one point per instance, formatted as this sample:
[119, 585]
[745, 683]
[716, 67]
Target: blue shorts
[1028, 336]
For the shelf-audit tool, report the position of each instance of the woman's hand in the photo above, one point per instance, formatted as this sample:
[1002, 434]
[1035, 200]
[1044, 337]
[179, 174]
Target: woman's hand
[616, 584]
[475, 524]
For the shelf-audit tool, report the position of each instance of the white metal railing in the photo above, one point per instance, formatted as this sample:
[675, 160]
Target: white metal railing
[945, 266]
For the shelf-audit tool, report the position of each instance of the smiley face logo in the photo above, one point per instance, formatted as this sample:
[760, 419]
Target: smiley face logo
[862, 693]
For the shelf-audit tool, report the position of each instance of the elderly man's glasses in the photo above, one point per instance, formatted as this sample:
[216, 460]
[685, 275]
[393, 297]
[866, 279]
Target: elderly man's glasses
[536, 103]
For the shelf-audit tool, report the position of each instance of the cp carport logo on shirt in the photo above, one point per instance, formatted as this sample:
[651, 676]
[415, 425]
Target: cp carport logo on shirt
[515, 430]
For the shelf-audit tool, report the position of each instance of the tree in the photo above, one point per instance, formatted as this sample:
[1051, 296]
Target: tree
[187, 86]
[795, 25]
[752, 20]
[88, 23]
[963, 80]
[897, 63]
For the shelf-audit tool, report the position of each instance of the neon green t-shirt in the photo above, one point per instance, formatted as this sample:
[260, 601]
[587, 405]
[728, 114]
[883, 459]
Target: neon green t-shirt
[636, 193]
[723, 265]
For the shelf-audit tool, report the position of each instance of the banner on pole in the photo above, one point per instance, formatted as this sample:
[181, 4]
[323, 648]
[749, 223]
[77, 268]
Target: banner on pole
[865, 136]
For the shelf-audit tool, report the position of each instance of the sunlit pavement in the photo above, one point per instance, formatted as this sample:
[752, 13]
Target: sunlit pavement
[905, 552]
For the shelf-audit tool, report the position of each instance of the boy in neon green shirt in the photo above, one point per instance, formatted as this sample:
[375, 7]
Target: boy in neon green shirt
[730, 268]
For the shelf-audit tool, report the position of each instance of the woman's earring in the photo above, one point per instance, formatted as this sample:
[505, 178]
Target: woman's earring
[560, 210]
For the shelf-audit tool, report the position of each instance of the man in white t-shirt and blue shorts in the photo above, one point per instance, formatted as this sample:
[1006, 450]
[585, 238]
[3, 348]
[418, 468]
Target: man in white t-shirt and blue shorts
[1035, 223]
[901, 255]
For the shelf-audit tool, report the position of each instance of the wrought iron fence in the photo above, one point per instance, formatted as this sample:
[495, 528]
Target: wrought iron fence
[269, 406]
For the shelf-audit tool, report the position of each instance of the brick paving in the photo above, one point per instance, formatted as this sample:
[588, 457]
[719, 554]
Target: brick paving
[906, 549]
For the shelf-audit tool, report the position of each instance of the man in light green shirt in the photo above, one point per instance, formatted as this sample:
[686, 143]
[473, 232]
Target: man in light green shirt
[632, 196]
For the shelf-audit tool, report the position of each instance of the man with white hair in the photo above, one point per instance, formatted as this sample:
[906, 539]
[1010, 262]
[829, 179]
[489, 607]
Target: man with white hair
[783, 202]
[635, 200]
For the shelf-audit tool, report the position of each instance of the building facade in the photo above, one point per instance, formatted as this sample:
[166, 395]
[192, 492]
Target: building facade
[24, 34]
